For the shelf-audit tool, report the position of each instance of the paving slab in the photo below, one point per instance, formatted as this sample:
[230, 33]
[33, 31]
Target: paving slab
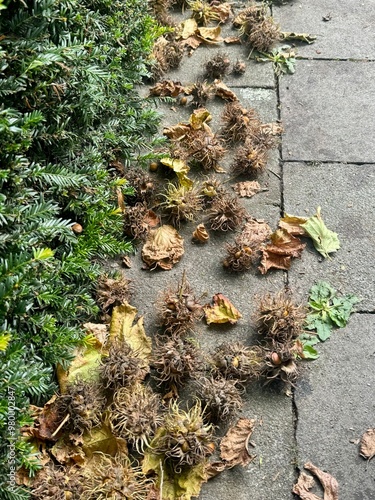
[348, 32]
[336, 405]
[346, 195]
[328, 111]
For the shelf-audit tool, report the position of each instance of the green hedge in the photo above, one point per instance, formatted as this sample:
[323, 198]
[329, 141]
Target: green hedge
[68, 109]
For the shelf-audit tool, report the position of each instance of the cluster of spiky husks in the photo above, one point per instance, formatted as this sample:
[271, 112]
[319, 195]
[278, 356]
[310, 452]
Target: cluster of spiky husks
[135, 414]
[137, 221]
[218, 66]
[175, 360]
[279, 318]
[211, 187]
[112, 292]
[206, 150]
[200, 93]
[202, 12]
[84, 402]
[239, 123]
[57, 483]
[122, 367]
[281, 363]
[239, 67]
[181, 203]
[167, 55]
[178, 308]
[143, 185]
[185, 440]
[221, 397]
[237, 361]
[258, 28]
[249, 160]
[114, 478]
[226, 213]
[160, 11]
[240, 256]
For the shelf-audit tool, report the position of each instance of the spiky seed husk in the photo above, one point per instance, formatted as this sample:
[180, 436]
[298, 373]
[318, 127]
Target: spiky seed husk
[279, 319]
[135, 414]
[206, 150]
[122, 367]
[114, 478]
[239, 67]
[84, 402]
[258, 28]
[226, 213]
[186, 439]
[200, 92]
[160, 10]
[137, 221]
[181, 203]
[202, 12]
[240, 257]
[238, 362]
[57, 483]
[175, 360]
[218, 66]
[179, 308]
[249, 160]
[167, 54]
[239, 123]
[211, 187]
[112, 292]
[143, 185]
[220, 396]
[281, 364]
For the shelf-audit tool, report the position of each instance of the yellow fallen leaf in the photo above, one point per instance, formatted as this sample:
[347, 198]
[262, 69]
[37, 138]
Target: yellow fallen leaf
[210, 35]
[189, 27]
[180, 168]
[199, 117]
[222, 311]
[164, 247]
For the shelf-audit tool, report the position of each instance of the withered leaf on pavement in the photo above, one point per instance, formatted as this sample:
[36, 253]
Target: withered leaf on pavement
[279, 252]
[255, 232]
[247, 189]
[163, 248]
[223, 11]
[367, 444]
[215, 468]
[221, 90]
[232, 40]
[306, 482]
[177, 132]
[234, 445]
[293, 225]
[187, 28]
[210, 35]
[167, 88]
[272, 128]
[222, 311]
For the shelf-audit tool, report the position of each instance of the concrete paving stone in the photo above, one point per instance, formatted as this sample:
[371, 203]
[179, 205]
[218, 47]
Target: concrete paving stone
[346, 195]
[336, 405]
[328, 111]
[348, 33]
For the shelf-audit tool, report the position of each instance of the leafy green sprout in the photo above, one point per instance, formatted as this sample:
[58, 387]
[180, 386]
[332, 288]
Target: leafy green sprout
[283, 58]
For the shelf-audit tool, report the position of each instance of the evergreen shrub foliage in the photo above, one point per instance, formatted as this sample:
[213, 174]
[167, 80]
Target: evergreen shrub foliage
[68, 109]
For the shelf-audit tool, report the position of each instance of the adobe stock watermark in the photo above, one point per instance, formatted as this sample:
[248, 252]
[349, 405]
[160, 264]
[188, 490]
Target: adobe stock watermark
[12, 437]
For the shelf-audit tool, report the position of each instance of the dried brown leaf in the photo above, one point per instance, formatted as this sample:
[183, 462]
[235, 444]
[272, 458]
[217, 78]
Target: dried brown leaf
[200, 234]
[221, 90]
[279, 252]
[164, 247]
[367, 446]
[292, 225]
[223, 11]
[46, 421]
[189, 27]
[177, 132]
[271, 128]
[247, 189]
[304, 484]
[167, 88]
[234, 445]
[193, 42]
[255, 232]
[210, 35]
[329, 483]
[214, 468]
[232, 40]
[222, 311]
[271, 260]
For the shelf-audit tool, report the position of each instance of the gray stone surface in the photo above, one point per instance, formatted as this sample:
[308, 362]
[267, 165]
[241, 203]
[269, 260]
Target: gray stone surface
[349, 33]
[336, 405]
[346, 195]
[328, 111]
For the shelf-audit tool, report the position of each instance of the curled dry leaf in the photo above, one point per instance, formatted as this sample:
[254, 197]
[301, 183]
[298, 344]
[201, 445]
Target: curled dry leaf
[234, 445]
[46, 421]
[232, 40]
[164, 247]
[222, 311]
[167, 88]
[293, 224]
[255, 232]
[223, 11]
[221, 90]
[305, 483]
[367, 445]
[188, 28]
[271, 128]
[214, 468]
[181, 170]
[199, 118]
[210, 35]
[279, 252]
[247, 189]
[200, 234]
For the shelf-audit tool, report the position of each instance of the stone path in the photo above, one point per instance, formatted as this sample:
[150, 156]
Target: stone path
[327, 159]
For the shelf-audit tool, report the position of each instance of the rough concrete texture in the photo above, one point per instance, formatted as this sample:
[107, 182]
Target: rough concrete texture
[328, 110]
[346, 32]
[346, 196]
[335, 404]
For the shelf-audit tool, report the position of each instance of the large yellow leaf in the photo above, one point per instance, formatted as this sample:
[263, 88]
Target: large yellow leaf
[180, 168]
[222, 311]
